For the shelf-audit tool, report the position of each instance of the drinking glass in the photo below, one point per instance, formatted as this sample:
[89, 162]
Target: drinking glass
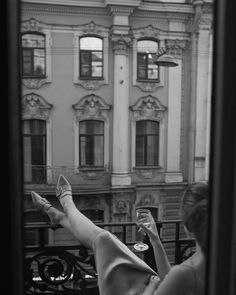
[144, 216]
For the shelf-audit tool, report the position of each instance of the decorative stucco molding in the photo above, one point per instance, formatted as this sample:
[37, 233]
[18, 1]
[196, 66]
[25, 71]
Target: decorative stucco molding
[121, 43]
[91, 107]
[148, 107]
[32, 25]
[175, 47]
[35, 106]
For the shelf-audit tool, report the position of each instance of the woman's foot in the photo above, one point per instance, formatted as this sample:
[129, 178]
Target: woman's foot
[63, 190]
[44, 206]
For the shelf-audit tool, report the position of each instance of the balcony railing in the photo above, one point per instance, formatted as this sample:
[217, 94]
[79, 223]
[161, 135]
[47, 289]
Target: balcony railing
[70, 269]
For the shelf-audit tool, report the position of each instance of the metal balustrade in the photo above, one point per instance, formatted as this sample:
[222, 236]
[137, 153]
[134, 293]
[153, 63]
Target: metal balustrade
[70, 269]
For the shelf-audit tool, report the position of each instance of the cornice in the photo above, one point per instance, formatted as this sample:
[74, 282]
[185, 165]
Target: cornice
[75, 3]
[63, 10]
[167, 7]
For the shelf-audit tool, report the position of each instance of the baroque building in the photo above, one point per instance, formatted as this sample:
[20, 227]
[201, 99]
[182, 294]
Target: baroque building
[97, 109]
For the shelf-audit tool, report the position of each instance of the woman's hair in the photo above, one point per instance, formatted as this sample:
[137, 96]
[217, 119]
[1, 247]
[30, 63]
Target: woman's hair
[194, 211]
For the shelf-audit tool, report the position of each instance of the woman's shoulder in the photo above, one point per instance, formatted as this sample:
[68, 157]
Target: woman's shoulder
[179, 280]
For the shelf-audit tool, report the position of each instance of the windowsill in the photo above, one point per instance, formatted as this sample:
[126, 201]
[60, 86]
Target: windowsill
[147, 167]
[87, 169]
[34, 77]
[91, 78]
[147, 81]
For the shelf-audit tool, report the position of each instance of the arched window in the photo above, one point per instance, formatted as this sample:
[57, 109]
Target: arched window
[91, 57]
[147, 143]
[91, 143]
[33, 55]
[146, 69]
[34, 150]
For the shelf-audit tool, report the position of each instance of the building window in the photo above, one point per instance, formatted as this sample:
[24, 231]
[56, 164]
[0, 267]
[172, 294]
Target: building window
[91, 57]
[147, 143]
[31, 236]
[91, 143]
[34, 149]
[33, 55]
[96, 215]
[146, 69]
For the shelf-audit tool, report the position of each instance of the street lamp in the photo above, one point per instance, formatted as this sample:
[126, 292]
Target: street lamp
[164, 60]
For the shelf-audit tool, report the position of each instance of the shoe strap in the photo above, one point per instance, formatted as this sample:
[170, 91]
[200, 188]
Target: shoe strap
[62, 192]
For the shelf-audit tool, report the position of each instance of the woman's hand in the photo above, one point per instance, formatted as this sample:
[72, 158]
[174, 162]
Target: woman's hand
[152, 286]
[148, 225]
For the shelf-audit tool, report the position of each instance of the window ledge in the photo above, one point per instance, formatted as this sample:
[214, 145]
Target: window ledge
[35, 82]
[147, 168]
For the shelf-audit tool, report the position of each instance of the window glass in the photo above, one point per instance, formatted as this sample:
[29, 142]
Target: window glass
[91, 57]
[90, 43]
[91, 143]
[147, 143]
[146, 69]
[33, 55]
[34, 150]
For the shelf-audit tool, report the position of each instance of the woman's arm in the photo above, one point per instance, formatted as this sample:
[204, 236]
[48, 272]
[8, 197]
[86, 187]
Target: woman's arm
[161, 258]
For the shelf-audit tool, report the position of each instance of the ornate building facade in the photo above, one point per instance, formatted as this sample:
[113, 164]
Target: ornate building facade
[95, 108]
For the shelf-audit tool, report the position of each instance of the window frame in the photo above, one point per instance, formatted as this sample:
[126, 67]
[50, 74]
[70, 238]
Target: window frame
[33, 136]
[91, 138]
[94, 30]
[36, 27]
[32, 57]
[90, 52]
[145, 151]
[146, 69]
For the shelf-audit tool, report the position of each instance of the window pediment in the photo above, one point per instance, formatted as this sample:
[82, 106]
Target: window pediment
[35, 106]
[148, 107]
[91, 107]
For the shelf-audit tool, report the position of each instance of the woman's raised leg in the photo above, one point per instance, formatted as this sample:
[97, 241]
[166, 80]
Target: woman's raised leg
[82, 227]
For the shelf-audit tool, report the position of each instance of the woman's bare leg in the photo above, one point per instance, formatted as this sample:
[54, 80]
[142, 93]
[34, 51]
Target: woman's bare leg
[81, 227]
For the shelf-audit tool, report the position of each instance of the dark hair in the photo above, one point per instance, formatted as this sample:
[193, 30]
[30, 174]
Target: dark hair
[194, 211]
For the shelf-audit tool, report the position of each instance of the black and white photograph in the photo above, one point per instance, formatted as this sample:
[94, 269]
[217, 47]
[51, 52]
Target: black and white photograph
[121, 147]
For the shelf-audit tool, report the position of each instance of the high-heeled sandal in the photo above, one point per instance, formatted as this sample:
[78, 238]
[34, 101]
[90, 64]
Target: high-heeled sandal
[42, 205]
[63, 187]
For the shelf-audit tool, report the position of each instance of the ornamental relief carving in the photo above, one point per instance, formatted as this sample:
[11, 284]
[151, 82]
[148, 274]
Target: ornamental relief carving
[122, 202]
[121, 43]
[91, 175]
[34, 83]
[148, 87]
[148, 200]
[91, 84]
[35, 106]
[92, 28]
[175, 47]
[91, 107]
[31, 25]
[145, 173]
[147, 32]
[148, 107]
